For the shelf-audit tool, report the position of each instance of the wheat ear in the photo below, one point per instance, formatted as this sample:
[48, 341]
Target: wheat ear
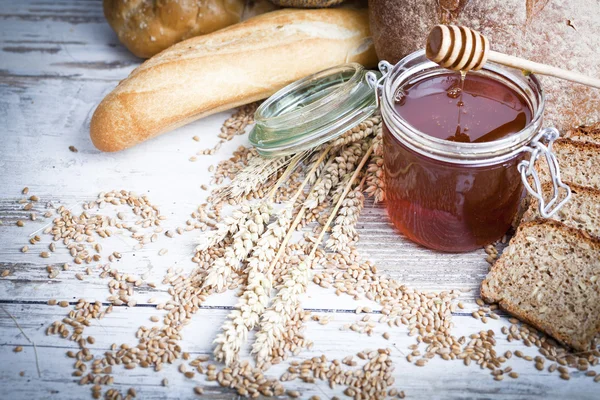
[258, 171]
[244, 240]
[256, 295]
[300, 213]
[339, 202]
[246, 229]
[275, 319]
[359, 132]
[375, 170]
[231, 224]
[344, 233]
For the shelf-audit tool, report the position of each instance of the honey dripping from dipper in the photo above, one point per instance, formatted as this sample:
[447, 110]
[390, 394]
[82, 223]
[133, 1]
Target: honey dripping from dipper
[462, 107]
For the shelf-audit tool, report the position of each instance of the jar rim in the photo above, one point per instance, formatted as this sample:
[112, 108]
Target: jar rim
[313, 110]
[263, 115]
[460, 152]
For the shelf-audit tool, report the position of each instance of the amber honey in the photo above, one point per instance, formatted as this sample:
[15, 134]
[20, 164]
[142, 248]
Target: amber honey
[451, 206]
[470, 109]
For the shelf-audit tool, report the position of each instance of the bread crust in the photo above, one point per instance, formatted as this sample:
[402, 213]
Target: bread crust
[589, 133]
[234, 66]
[146, 27]
[489, 295]
[532, 212]
[577, 145]
[578, 161]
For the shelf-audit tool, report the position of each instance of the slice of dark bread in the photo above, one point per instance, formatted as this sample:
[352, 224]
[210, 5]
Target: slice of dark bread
[590, 134]
[579, 163]
[582, 211]
[549, 277]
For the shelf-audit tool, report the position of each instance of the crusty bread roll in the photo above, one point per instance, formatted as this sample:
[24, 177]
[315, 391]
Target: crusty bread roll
[561, 33]
[234, 66]
[147, 27]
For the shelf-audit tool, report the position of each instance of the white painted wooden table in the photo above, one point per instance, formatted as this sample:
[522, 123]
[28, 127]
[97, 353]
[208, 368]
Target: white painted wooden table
[57, 61]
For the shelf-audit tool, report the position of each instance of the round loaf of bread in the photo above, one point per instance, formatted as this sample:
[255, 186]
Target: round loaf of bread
[146, 27]
[565, 34]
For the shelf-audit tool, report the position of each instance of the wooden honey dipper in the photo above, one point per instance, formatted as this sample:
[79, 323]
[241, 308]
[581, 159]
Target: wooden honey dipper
[462, 49]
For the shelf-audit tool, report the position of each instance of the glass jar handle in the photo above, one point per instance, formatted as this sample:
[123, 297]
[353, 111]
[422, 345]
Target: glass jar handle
[527, 170]
[375, 81]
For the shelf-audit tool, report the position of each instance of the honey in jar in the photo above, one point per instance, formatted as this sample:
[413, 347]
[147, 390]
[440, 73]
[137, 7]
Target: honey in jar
[462, 108]
[451, 150]
[438, 204]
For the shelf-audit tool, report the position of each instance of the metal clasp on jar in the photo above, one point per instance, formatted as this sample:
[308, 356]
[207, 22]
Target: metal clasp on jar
[375, 82]
[527, 170]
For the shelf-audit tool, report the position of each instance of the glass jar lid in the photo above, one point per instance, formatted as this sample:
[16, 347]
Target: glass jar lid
[313, 110]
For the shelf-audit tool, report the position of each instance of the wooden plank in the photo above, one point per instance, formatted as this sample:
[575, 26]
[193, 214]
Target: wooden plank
[61, 39]
[446, 378]
[51, 10]
[399, 258]
[402, 261]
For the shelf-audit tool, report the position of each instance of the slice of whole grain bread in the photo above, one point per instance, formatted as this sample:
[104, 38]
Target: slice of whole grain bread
[590, 133]
[549, 277]
[579, 163]
[582, 211]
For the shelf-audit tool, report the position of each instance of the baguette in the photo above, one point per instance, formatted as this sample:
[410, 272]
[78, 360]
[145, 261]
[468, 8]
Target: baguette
[549, 276]
[234, 66]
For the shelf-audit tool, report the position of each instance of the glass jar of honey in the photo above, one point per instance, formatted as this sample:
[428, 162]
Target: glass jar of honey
[459, 151]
